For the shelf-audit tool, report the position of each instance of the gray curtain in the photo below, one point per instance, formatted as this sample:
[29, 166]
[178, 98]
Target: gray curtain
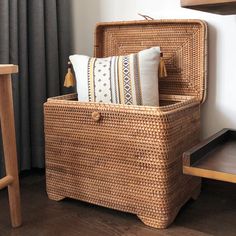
[35, 34]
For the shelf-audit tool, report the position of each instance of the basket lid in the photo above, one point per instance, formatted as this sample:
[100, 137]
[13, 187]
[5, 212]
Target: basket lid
[183, 43]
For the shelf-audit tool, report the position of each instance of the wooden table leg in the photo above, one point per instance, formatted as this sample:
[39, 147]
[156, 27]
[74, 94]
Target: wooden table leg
[9, 146]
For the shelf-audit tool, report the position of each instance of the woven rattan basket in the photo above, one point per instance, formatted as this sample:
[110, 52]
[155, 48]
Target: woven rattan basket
[129, 158]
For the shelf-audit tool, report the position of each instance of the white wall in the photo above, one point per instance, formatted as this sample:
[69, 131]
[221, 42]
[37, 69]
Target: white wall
[219, 111]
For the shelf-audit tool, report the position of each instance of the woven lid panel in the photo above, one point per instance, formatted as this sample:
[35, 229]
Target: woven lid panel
[183, 42]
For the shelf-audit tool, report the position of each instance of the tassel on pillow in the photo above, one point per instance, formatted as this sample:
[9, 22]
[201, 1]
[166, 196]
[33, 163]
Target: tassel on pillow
[162, 72]
[69, 78]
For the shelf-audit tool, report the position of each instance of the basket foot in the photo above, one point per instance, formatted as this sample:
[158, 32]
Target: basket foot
[156, 222]
[196, 193]
[55, 197]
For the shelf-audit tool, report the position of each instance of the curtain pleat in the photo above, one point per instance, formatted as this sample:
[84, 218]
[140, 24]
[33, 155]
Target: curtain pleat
[64, 24]
[35, 34]
[52, 57]
[23, 129]
[37, 75]
[4, 29]
[4, 54]
[13, 58]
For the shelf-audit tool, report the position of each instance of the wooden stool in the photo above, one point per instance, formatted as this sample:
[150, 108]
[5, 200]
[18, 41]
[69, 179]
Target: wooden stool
[9, 143]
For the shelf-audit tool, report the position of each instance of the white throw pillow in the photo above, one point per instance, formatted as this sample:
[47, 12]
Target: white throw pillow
[131, 79]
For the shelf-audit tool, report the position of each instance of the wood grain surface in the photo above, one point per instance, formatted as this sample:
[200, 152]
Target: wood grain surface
[223, 7]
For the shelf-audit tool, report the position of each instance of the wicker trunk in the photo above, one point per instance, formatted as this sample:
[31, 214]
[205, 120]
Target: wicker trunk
[130, 157]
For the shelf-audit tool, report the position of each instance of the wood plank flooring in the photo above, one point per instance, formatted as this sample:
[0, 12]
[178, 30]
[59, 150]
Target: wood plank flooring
[214, 213]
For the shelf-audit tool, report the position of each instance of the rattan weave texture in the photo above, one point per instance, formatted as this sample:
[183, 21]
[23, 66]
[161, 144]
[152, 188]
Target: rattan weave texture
[182, 41]
[130, 158]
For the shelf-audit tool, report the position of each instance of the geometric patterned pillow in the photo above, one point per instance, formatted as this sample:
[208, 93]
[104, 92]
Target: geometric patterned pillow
[131, 79]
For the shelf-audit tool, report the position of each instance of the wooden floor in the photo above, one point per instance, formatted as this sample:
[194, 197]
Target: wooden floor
[214, 213]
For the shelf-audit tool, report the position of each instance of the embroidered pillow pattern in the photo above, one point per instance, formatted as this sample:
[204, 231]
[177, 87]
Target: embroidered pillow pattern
[114, 80]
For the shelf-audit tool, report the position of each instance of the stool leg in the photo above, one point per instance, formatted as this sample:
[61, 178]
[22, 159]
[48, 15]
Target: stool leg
[9, 146]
